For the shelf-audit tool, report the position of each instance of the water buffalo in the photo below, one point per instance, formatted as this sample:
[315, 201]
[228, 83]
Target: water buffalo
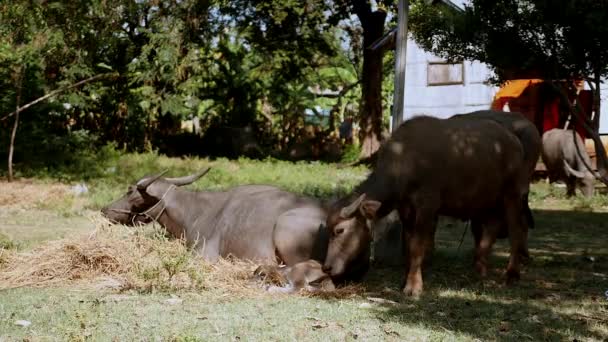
[530, 139]
[255, 222]
[568, 161]
[461, 167]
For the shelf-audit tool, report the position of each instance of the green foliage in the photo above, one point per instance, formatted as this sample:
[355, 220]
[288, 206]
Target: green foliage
[235, 63]
[76, 154]
[351, 153]
[539, 38]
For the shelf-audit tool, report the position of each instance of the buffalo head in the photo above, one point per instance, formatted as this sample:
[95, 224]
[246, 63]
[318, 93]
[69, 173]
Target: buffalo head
[140, 205]
[585, 178]
[350, 235]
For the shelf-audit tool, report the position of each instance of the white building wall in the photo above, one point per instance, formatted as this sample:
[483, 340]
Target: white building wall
[445, 100]
[603, 108]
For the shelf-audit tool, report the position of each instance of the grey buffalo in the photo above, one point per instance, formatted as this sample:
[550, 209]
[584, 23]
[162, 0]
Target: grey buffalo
[461, 167]
[254, 222]
[568, 161]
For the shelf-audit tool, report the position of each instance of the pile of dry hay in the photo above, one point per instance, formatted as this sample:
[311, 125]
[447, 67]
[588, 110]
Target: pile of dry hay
[140, 259]
[26, 193]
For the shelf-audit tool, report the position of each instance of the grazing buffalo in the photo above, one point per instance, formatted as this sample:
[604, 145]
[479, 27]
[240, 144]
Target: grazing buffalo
[567, 160]
[461, 167]
[254, 222]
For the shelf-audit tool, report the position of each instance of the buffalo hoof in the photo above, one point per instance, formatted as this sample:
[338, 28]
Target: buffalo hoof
[413, 290]
[413, 293]
[512, 277]
[525, 258]
[481, 269]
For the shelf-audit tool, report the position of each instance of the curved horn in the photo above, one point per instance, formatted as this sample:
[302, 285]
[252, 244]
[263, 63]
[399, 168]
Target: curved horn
[582, 159]
[180, 181]
[349, 210]
[145, 183]
[573, 172]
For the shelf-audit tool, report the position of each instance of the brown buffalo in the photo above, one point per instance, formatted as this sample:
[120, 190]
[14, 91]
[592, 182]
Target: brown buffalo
[461, 167]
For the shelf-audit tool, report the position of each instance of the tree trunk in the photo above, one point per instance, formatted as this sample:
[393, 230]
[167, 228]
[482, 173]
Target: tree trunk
[370, 110]
[11, 148]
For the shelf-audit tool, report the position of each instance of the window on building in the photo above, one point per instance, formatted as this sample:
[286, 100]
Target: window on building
[443, 73]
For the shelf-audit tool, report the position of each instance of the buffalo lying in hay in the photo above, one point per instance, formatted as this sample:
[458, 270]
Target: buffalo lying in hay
[461, 167]
[253, 222]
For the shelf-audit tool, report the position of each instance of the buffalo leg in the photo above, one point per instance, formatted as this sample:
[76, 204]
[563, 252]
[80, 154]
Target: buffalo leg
[407, 217]
[528, 212]
[513, 218]
[524, 253]
[484, 234]
[570, 186]
[419, 241]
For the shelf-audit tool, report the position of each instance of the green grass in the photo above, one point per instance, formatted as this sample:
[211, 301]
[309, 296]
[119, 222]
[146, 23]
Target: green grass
[561, 295]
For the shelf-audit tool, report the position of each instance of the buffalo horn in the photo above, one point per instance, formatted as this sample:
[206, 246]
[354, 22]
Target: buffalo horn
[179, 181]
[572, 171]
[349, 210]
[145, 183]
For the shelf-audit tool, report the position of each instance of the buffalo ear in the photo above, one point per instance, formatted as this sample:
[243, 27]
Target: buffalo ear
[369, 208]
[351, 209]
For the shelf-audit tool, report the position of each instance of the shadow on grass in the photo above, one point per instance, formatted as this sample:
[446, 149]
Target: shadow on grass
[561, 295]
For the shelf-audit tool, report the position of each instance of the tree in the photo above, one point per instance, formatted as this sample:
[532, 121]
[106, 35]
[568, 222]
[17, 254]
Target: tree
[237, 62]
[25, 41]
[372, 16]
[279, 25]
[549, 39]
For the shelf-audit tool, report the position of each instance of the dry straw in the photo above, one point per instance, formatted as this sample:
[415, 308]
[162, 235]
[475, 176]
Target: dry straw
[141, 259]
